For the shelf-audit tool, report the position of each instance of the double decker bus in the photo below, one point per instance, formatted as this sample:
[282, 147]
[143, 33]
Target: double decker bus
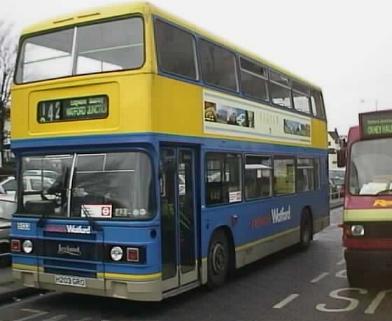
[367, 219]
[167, 157]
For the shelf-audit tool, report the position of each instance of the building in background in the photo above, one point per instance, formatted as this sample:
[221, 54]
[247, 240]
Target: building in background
[335, 141]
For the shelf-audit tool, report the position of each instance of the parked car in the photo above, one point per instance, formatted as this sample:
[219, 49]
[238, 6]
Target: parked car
[336, 183]
[7, 208]
[337, 176]
[5, 228]
[31, 183]
[8, 189]
[39, 172]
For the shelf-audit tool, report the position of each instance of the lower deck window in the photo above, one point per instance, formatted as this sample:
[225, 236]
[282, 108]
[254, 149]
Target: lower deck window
[305, 175]
[223, 178]
[284, 176]
[258, 177]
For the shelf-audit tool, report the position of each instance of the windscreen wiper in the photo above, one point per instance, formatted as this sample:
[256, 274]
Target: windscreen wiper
[90, 219]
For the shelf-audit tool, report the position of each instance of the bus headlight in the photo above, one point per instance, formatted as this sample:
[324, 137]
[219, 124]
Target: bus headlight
[357, 230]
[116, 253]
[27, 246]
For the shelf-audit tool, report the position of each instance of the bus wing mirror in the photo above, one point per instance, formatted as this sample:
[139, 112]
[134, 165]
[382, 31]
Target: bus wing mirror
[341, 153]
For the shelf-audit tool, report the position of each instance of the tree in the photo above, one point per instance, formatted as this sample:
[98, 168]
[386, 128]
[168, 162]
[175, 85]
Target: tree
[8, 46]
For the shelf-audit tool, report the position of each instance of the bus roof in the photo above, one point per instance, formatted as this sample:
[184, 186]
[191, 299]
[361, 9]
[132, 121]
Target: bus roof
[146, 8]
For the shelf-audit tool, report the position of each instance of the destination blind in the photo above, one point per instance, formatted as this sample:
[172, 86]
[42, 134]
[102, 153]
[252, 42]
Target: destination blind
[376, 124]
[81, 108]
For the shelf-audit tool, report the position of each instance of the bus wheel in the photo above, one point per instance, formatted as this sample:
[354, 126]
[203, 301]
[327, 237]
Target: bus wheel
[306, 231]
[218, 260]
[354, 277]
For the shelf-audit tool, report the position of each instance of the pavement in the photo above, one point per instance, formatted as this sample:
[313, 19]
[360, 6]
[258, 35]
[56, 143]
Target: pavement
[9, 289]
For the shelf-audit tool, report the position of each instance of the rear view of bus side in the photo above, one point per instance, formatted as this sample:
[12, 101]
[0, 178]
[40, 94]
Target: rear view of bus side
[166, 156]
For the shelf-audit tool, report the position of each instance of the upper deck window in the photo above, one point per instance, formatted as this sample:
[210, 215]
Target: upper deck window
[100, 47]
[218, 65]
[253, 79]
[301, 97]
[279, 89]
[176, 50]
[317, 104]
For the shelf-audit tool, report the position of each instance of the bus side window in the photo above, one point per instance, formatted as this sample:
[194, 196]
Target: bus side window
[284, 176]
[317, 177]
[223, 178]
[316, 99]
[254, 79]
[280, 91]
[301, 97]
[258, 177]
[218, 66]
[305, 175]
[176, 50]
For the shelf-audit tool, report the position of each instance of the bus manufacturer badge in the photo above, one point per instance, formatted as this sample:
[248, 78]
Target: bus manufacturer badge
[69, 250]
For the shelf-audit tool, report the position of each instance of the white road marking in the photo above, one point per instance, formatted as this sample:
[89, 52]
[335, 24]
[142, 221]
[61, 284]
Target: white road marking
[37, 313]
[286, 301]
[341, 262]
[56, 317]
[320, 277]
[376, 301]
[341, 274]
[353, 303]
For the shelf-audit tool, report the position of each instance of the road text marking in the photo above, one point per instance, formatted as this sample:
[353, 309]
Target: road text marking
[352, 303]
[376, 302]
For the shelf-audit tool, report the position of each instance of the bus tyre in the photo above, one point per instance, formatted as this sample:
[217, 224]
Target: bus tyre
[218, 260]
[353, 277]
[306, 230]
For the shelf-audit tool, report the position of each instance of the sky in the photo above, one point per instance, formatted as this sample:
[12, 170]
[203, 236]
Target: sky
[344, 46]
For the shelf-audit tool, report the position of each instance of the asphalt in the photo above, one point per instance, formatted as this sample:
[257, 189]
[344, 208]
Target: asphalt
[9, 289]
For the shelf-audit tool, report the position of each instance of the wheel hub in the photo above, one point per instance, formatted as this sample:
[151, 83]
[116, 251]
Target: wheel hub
[218, 258]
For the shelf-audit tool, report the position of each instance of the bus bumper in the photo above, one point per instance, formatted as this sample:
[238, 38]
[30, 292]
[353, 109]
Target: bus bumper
[123, 289]
[369, 260]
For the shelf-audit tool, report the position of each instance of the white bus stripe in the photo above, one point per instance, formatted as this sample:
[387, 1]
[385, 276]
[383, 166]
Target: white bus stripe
[286, 301]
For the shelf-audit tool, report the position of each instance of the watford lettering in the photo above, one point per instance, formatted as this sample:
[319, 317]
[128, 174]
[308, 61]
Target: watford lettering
[280, 215]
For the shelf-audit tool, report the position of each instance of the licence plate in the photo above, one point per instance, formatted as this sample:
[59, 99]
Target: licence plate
[70, 280]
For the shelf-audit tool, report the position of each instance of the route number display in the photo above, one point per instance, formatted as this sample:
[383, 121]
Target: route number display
[94, 107]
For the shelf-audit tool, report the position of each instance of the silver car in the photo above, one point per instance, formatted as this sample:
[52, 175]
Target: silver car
[7, 208]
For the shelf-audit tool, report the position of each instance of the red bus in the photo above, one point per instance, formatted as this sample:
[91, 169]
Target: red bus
[367, 218]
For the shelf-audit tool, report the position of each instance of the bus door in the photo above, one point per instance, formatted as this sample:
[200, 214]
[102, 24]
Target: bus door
[178, 217]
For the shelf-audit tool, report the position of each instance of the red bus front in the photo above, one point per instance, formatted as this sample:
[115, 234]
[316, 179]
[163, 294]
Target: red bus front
[367, 228]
